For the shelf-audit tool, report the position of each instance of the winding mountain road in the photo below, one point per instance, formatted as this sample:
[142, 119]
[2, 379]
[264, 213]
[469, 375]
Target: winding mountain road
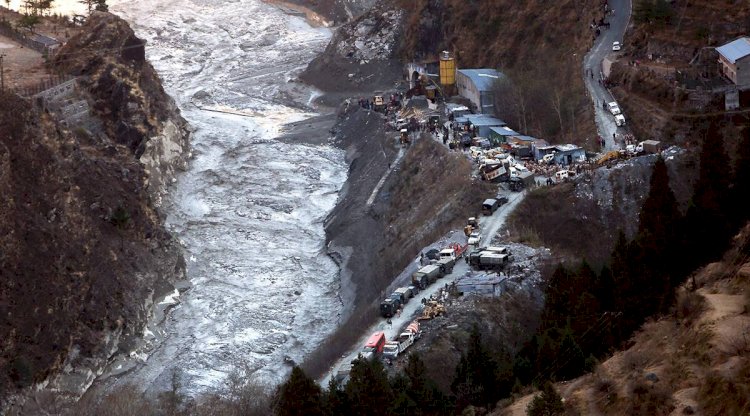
[592, 64]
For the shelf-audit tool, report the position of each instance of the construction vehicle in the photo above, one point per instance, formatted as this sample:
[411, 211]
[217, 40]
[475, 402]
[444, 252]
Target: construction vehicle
[607, 157]
[488, 260]
[388, 308]
[432, 309]
[446, 265]
[473, 222]
[392, 349]
[404, 293]
[468, 230]
[425, 276]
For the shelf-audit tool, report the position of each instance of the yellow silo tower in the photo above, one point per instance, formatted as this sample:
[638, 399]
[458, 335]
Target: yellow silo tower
[447, 69]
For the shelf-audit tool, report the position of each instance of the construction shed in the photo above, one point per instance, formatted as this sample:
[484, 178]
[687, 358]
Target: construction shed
[483, 123]
[488, 284]
[500, 135]
[567, 154]
[477, 85]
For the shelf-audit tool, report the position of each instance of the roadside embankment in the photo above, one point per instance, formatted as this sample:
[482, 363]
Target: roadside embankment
[426, 194]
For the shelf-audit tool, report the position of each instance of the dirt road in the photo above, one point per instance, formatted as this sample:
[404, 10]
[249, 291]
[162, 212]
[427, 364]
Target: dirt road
[489, 226]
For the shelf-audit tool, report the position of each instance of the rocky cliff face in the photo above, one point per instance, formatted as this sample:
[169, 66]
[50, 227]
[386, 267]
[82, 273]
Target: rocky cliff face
[583, 218]
[125, 93]
[83, 253]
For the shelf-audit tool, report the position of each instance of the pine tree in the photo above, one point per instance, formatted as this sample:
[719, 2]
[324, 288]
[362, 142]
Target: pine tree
[476, 375]
[334, 400]
[707, 219]
[657, 238]
[368, 389]
[299, 396]
[571, 358]
[547, 403]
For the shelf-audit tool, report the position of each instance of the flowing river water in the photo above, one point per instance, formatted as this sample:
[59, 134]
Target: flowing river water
[249, 211]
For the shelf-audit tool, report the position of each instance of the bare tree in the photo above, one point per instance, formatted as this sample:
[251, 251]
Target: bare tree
[556, 99]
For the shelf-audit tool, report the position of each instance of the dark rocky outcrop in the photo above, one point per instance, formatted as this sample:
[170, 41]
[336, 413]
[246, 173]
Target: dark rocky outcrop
[126, 94]
[83, 253]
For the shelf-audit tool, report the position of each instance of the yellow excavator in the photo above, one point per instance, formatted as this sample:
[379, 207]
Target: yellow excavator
[607, 157]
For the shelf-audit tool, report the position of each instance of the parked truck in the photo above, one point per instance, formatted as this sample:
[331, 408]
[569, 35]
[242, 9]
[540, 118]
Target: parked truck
[389, 307]
[374, 346]
[488, 260]
[499, 250]
[393, 349]
[426, 276]
[489, 206]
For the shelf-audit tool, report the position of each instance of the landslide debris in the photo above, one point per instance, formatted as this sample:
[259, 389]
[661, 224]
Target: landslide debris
[361, 56]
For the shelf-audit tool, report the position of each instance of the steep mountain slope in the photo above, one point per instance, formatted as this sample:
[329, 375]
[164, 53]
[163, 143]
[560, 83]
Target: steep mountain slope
[83, 254]
[694, 361]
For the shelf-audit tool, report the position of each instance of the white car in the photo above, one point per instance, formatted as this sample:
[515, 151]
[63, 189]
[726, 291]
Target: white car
[616, 46]
[475, 238]
[620, 120]
[613, 108]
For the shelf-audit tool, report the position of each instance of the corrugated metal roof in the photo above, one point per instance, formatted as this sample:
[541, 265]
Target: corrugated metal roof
[503, 131]
[736, 49]
[483, 79]
[46, 40]
[484, 120]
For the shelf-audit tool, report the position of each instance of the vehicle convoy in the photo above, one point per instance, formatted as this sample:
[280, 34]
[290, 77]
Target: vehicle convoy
[426, 276]
[392, 349]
